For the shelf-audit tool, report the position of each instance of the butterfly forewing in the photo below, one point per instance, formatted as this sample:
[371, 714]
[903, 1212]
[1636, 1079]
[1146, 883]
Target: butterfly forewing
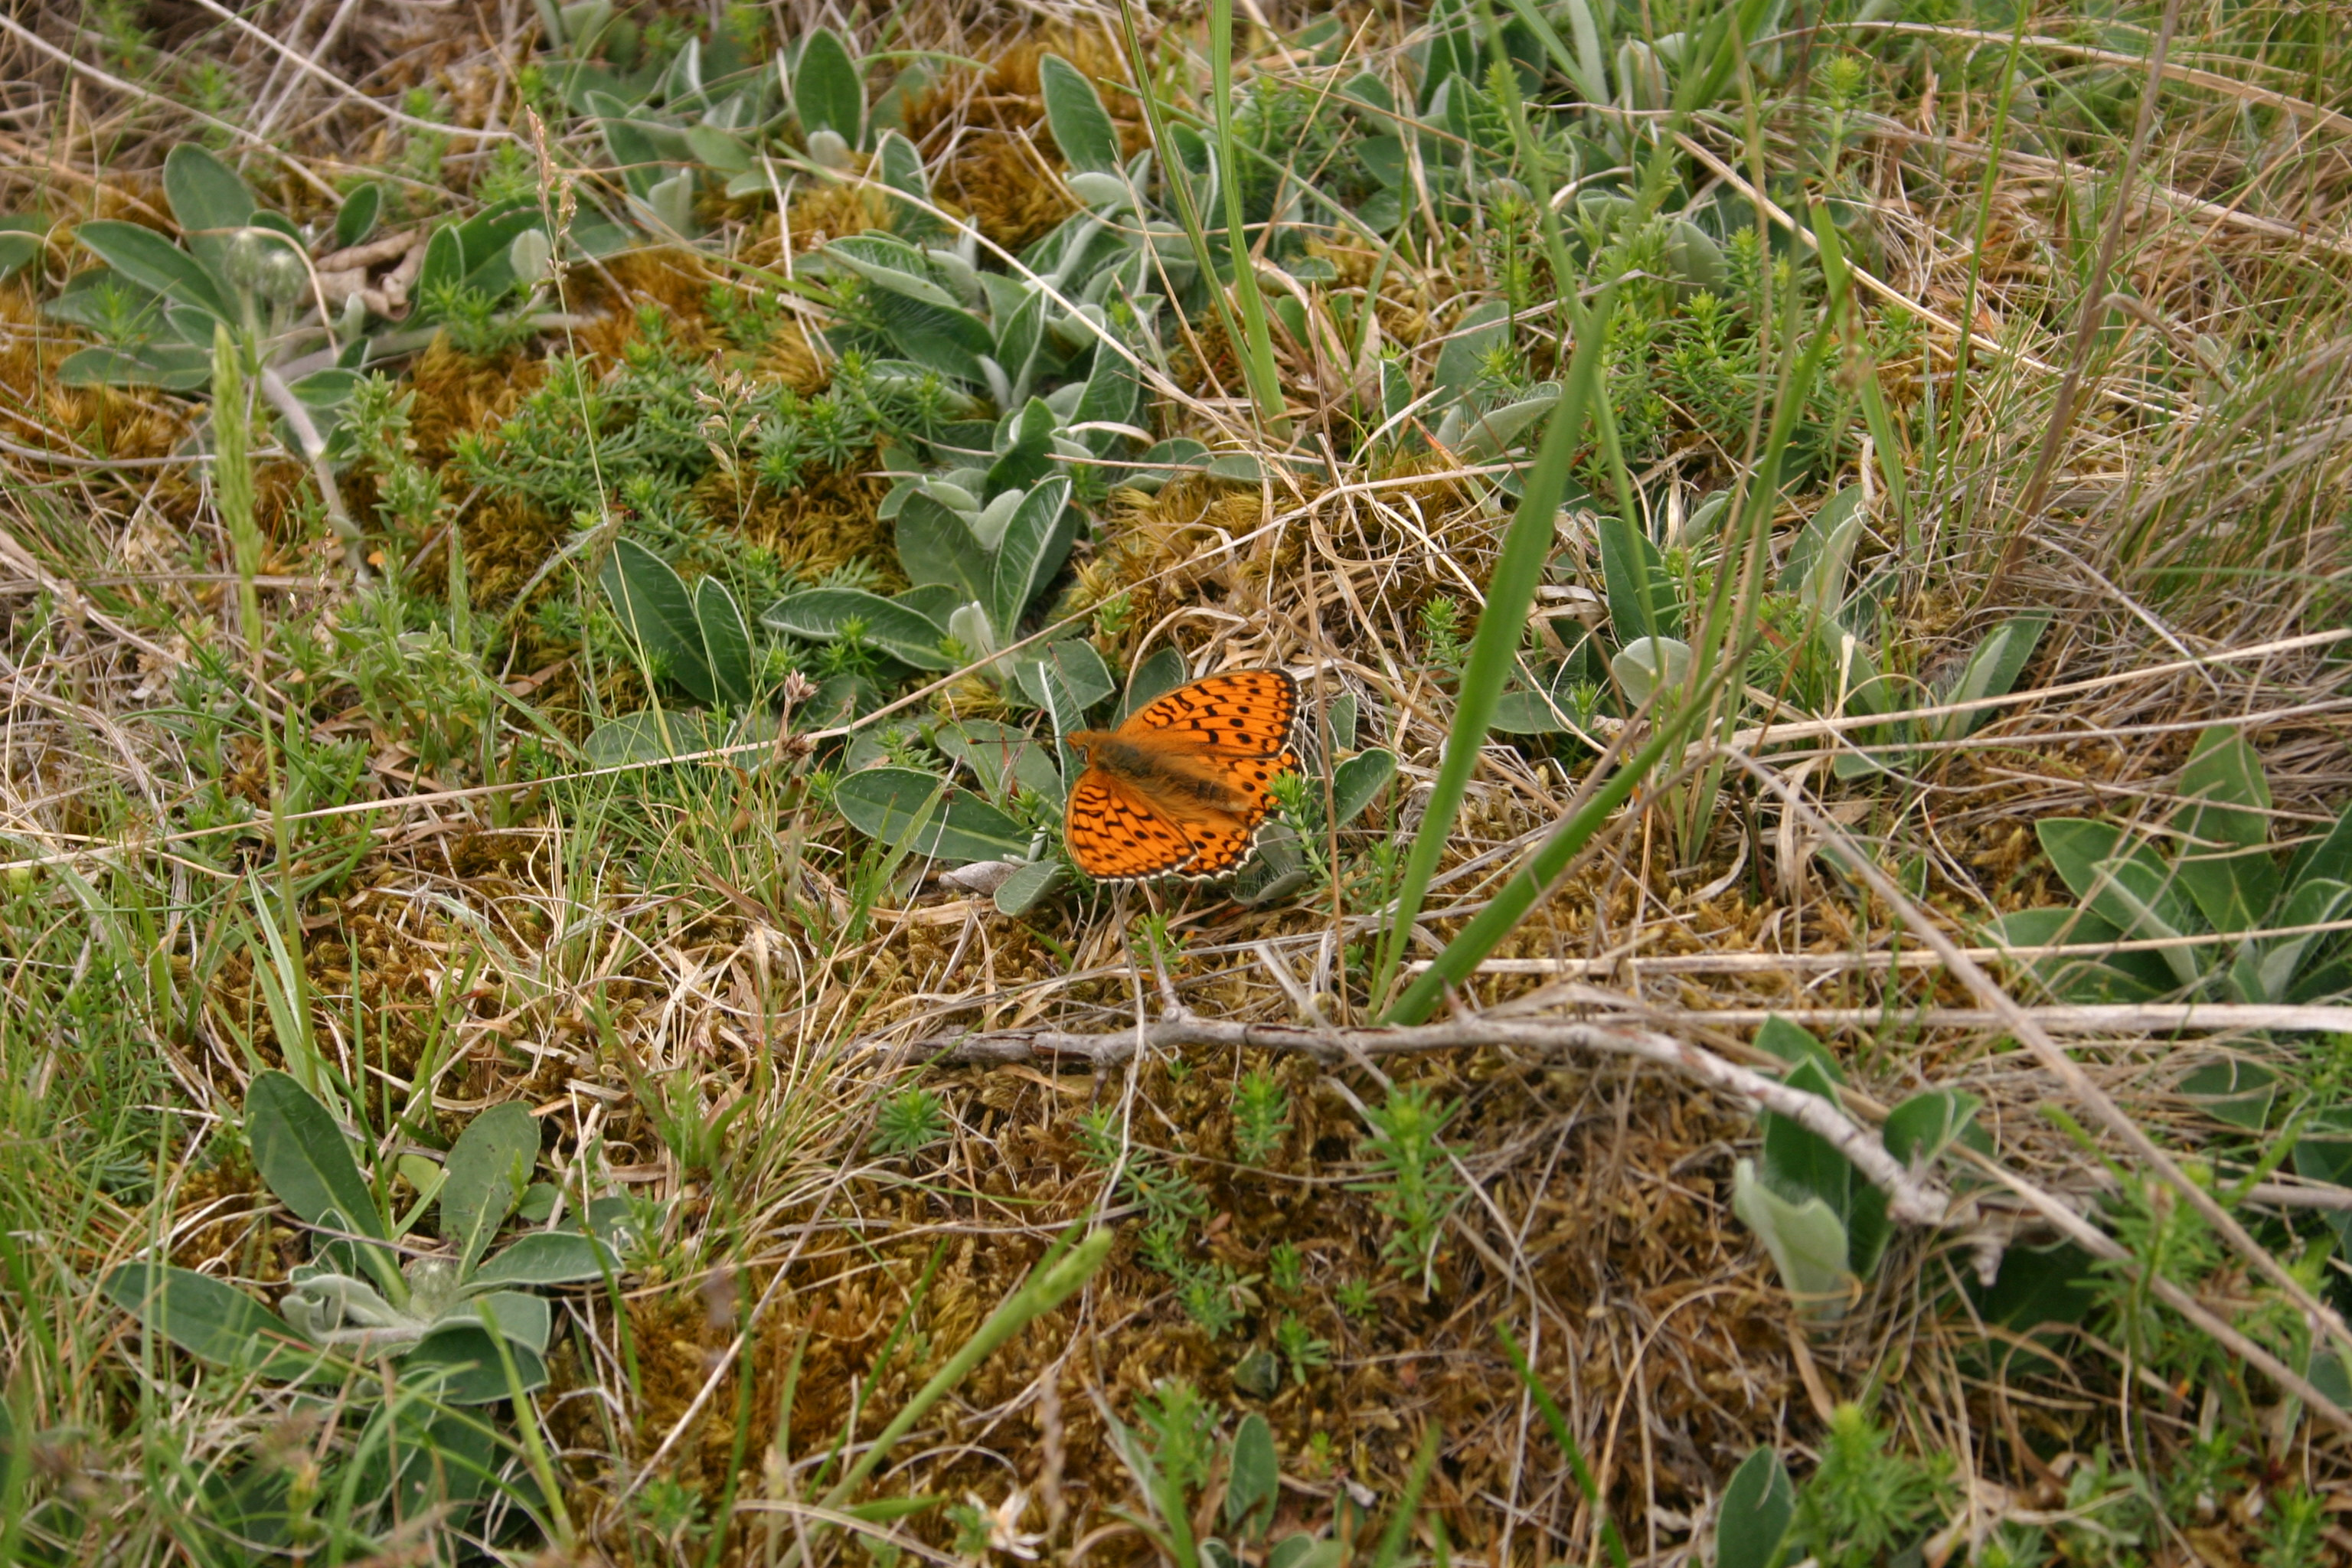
[1247, 712]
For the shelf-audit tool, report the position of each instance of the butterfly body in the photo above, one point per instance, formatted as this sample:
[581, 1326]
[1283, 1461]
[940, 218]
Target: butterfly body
[1181, 787]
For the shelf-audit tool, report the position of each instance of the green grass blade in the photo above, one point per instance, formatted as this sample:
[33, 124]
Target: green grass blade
[1257, 357]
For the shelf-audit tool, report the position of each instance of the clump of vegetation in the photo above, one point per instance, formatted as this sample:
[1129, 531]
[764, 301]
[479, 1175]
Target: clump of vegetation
[543, 608]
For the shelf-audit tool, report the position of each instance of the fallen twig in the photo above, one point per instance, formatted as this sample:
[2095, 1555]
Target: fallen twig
[1909, 1198]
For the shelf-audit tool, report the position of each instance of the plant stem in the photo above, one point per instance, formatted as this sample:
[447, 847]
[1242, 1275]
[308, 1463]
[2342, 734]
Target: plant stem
[233, 495]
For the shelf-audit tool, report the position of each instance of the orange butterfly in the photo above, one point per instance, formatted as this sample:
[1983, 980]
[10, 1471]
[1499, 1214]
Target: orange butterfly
[1180, 788]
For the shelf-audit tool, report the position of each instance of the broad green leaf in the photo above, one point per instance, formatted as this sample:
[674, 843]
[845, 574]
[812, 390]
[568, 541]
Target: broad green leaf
[726, 641]
[1993, 670]
[357, 219]
[445, 262]
[1358, 782]
[1300, 1550]
[1928, 1123]
[1019, 893]
[1799, 1163]
[211, 1320]
[547, 1257]
[1339, 723]
[1758, 1504]
[936, 545]
[2083, 978]
[522, 1317]
[22, 240]
[1159, 674]
[823, 614]
[1806, 1240]
[2226, 863]
[2327, 858]
[1693, 258]
[2232, 1090]
[488, 1168]
[654, 606]
[171, 367]
[1074, 110]
[1065, 678]
[1823, 553]
[828, 90]
[905, 808]
[1641, 595]
[2141, 895]
[1253, 1477]
[205, 193]
[899, 268]
[1462, 361]
[2039, 1293]
[1275, 871]
[1645, 665]
[651, 735]
[2126, 884]
[1037, 541]
[1027, 457]
[147, 259]
[1113, 391]
[2266, 970]
[304, 1157]
[461, 1366]
[1491, 434]
[999, 755]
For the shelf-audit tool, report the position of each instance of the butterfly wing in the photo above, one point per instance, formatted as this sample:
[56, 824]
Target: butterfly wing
[1240, 713]
[1218, 847]
[1236, 726]
[1115, 834]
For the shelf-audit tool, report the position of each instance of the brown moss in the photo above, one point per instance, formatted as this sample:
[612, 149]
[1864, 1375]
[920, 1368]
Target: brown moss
[830, 519]
[1002, 146]
[457, 394]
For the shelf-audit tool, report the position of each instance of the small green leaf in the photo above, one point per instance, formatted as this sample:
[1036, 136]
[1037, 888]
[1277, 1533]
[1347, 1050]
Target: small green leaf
[1807, 1242]
[304, 1157]
[1641, 595]
[828, 90]
[1020, 892]
[726, 641]
[1074, 110]
[1462, 361]
[1993, 670]
[1037, 541]
[461, 1365]
[1646, 665]
[1928, 1123]
[1759, 1502]
[1358, 782]
[1275, 871]
[205, 194]
[1065, 678]
[1823, 553]
[936, 545]
[357, 219]
[487, 1167]
[1253, 1477]
[651, 735]
[655, 610]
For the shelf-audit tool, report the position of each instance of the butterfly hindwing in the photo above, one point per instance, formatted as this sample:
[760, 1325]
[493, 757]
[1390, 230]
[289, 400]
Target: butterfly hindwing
[1115, 834]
